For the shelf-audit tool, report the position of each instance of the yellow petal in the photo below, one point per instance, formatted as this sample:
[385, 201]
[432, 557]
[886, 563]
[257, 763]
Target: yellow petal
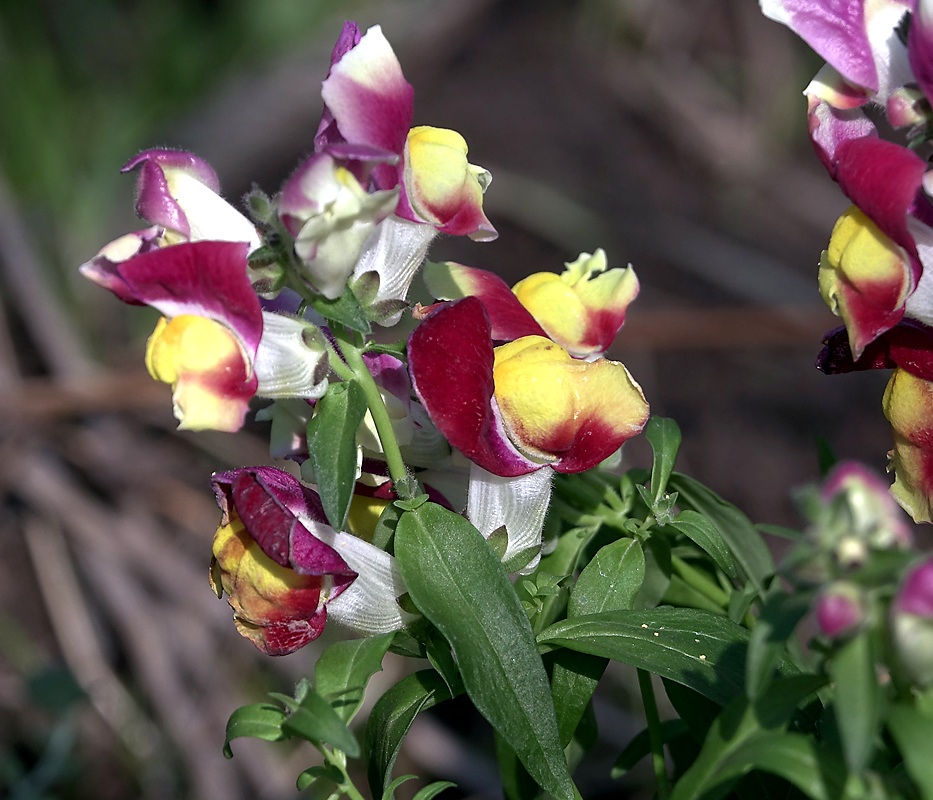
[548, 399]
[210, 373]
[908, 405]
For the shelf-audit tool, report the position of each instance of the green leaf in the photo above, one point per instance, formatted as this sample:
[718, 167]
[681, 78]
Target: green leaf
[390, 720]
[384, 532]
[766, 647]
[398, 349]
[701, 650]
[390, 789]
[316, 721]
[459, 584]
[657, 551]
[312, 774]
[640, 746]
[743, 540]
[610, 581]
[707, 537]
[433, 789]
[723, 756]
[517, 784]
[260, 721]
[345, 309]
[343, 670]
[857, 700]
[332, 435]
[913, 732]
[664, 437]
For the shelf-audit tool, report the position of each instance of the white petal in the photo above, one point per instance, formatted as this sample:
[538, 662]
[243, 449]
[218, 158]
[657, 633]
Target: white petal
[368, 605]
[210, 217]
[292, 358]
[395, 250]
[518, 503]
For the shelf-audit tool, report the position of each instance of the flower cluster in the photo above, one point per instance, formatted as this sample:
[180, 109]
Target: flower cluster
[877, 273]
[496, 390]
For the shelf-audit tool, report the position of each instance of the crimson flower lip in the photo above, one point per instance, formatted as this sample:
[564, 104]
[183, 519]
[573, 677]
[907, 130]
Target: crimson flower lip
[479, 399]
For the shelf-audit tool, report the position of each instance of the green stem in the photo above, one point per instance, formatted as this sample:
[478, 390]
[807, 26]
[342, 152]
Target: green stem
[573, 515]
[654, 733]
[338, 760]
[377, 407]
[695, 578]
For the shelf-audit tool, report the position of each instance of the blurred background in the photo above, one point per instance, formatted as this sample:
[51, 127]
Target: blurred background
[671, 133]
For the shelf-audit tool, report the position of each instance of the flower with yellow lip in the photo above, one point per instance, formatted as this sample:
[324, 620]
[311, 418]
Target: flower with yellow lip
[908, 405]
[368, 103]
[442, 187]
[556, 408]
[865, 278]
[581, 309]
[519, 407]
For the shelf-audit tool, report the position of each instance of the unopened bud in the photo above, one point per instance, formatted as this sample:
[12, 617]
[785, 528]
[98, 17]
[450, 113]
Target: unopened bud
[839, 610]
[912, 612]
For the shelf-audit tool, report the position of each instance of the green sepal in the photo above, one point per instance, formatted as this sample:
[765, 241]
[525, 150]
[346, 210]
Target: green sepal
[332, 447]
[258, 721]
[384, 532]
[459, 584]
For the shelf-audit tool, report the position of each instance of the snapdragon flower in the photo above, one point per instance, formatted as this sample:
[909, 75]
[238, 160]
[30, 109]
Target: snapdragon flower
[581, 309]
[286, 571]
[214, 343]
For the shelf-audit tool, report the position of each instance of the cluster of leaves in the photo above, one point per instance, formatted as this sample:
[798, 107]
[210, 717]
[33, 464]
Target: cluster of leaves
[652, 570]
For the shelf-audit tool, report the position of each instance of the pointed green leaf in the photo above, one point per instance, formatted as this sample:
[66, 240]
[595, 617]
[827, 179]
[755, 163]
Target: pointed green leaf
[259, 721]
[390, 789]
[701, 650]
[707, 537]
[640, 745]
[317, 722]
[657, 551]
[345, 309]
[743, 540]
[332, 434]
[433, 789]
[610, 581]
[458, 583]
[723, 756]
[767, 644]
[343, 670]
[857, 700]
[913, 732]
[664, 437]
[390, 720]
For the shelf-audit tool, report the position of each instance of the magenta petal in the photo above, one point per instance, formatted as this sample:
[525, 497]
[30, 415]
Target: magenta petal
[180, 160]
[367, 94]
[450, 357]
[836, 30]
[284, 638]
[885, 181]
[207, 279]
[908, 345]
[920, 47]
[267, 500]
[831, 127]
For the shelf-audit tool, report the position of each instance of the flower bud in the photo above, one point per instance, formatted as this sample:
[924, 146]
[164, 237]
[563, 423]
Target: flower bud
[839, 610]
[912, 617]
